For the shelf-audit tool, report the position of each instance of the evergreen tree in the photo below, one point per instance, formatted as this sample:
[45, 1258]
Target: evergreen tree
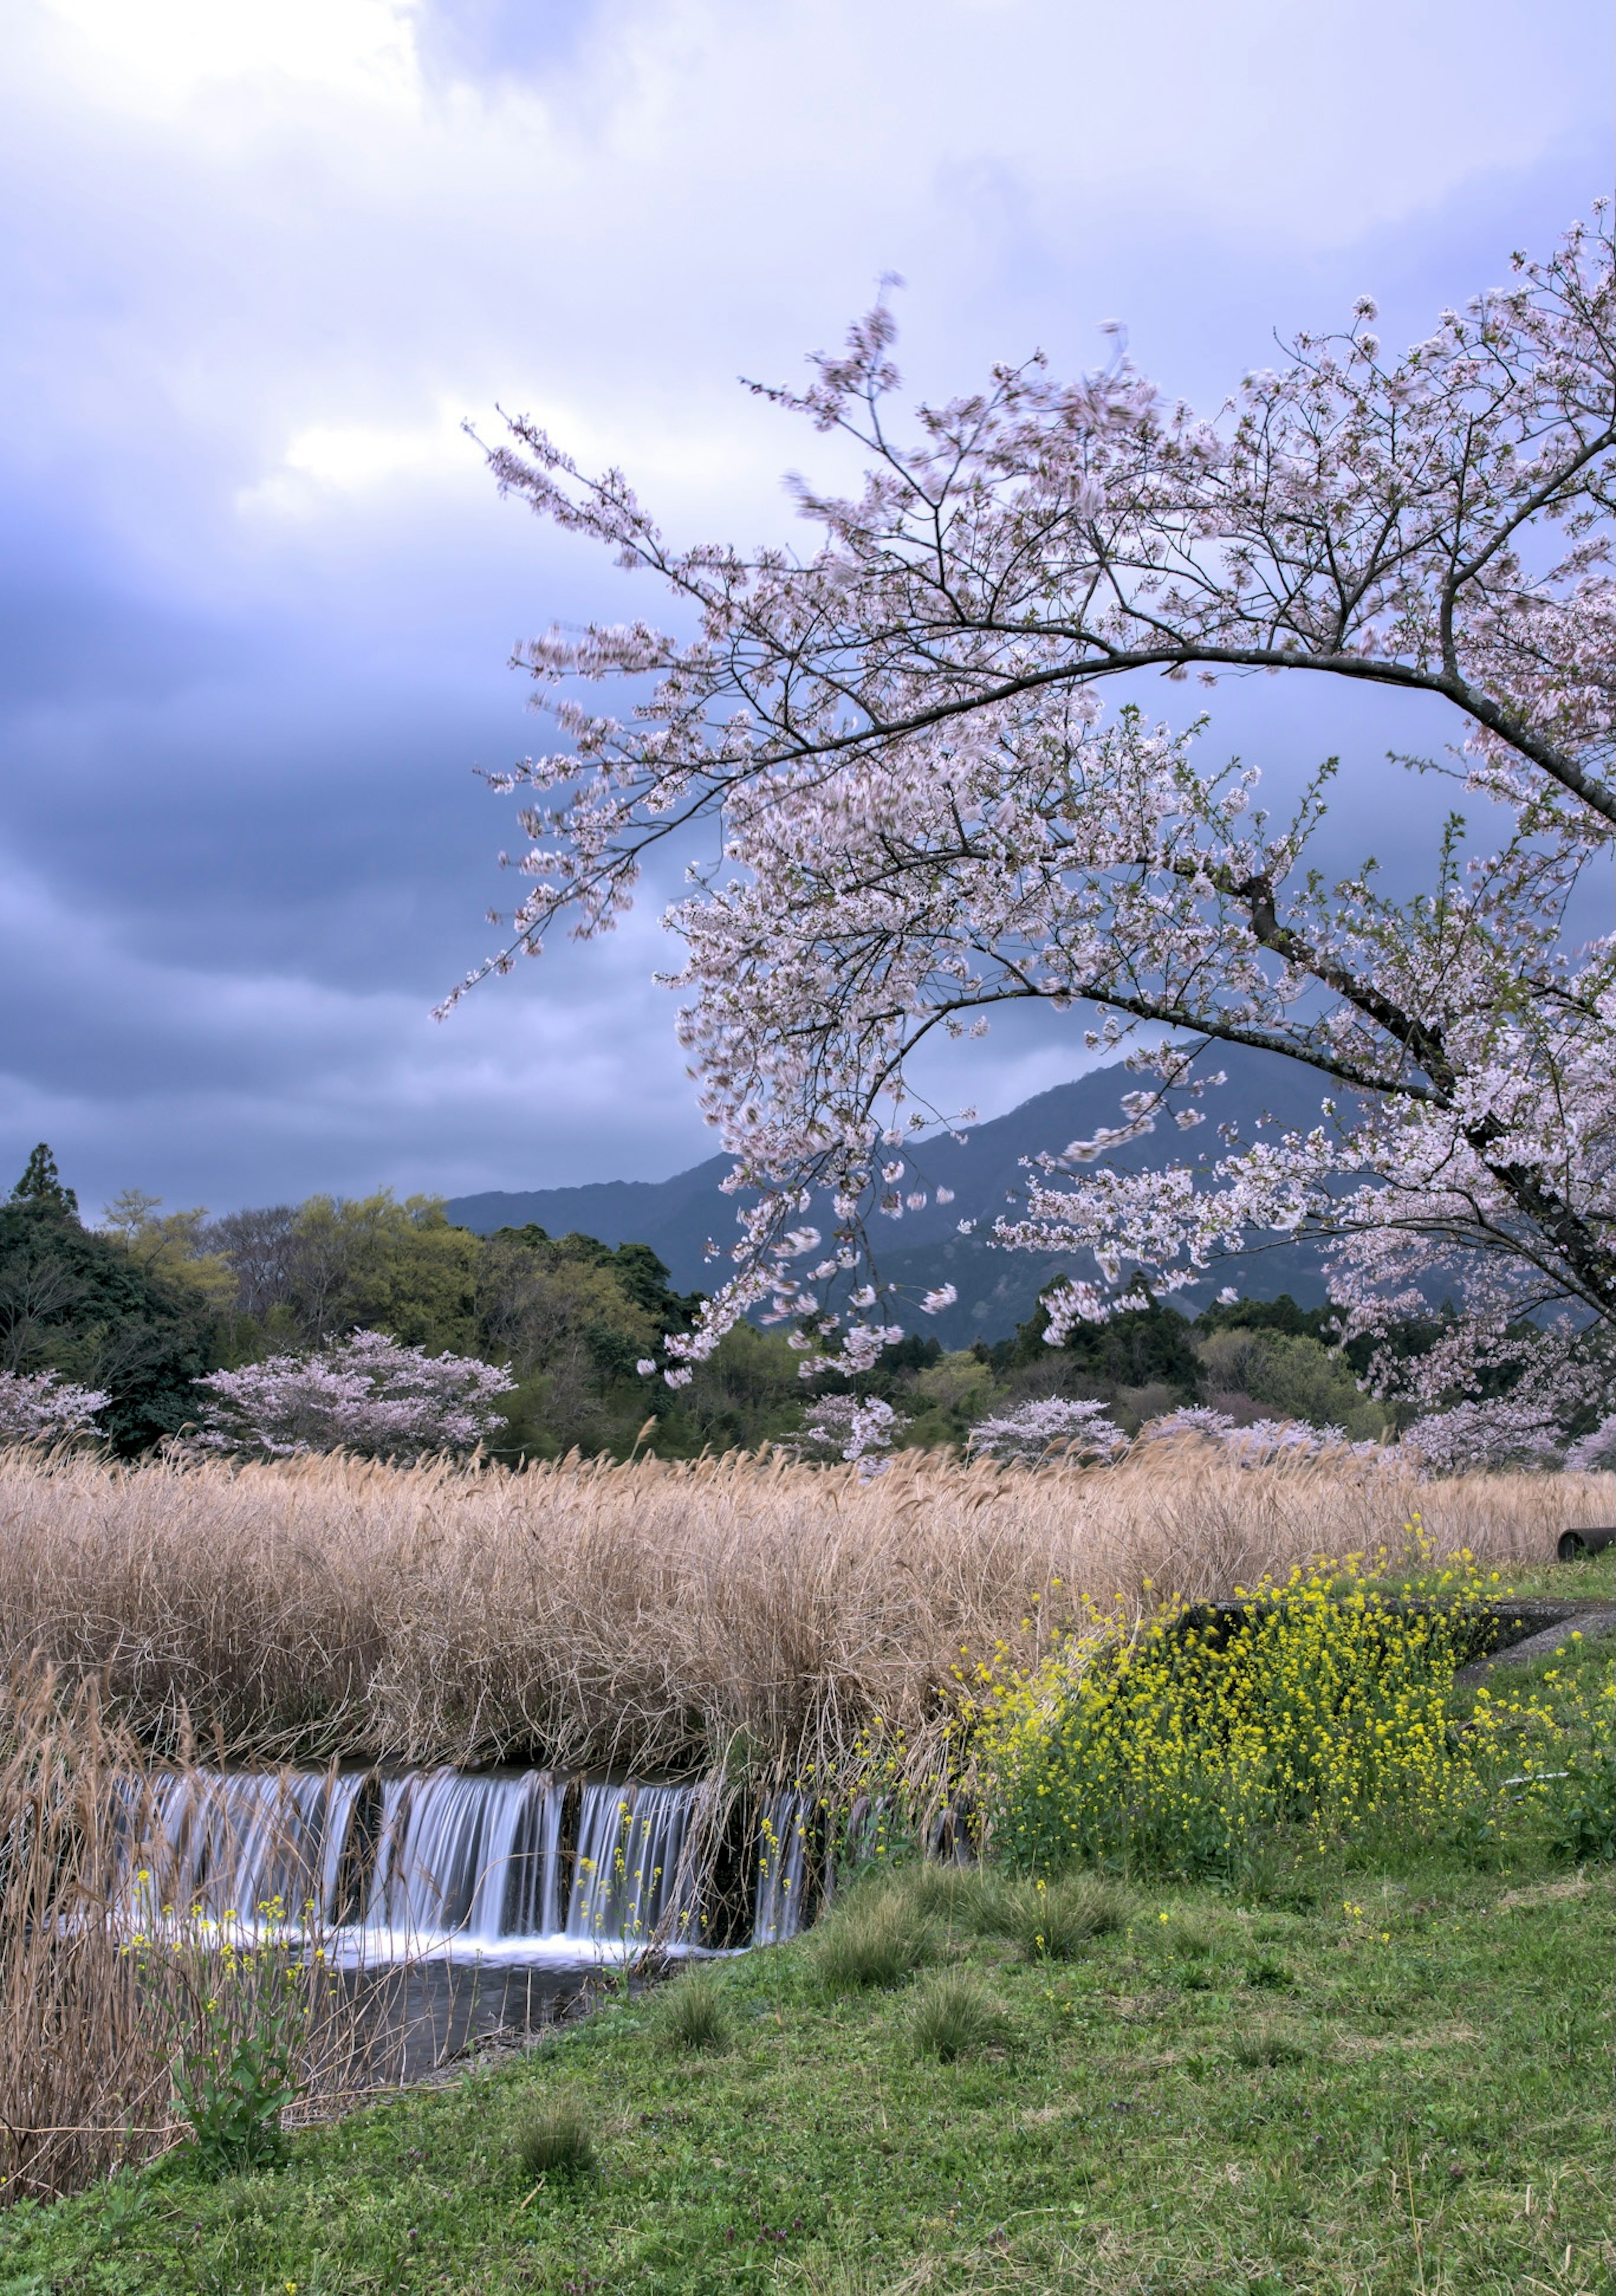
[41, 1184]
[75, 1303]
[1145, 1346]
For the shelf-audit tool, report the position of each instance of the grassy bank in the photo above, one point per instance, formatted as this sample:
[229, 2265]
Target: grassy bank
[1380, 2071]
[758, 1617]
[1405, 2088]
[656, 1616]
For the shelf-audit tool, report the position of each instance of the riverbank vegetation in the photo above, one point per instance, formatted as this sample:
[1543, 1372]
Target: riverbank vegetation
[655, 1616]
[143, 1312]
[1382, 2068]
[146, 1305]
[1006, 1641]
[114, 2044]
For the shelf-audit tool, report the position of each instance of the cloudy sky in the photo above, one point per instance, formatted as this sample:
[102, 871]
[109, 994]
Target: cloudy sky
[260, 257]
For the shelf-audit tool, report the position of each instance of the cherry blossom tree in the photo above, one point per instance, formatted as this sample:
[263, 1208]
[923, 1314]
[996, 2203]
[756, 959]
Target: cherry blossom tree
[927, 813]
[1053, 1428]
[1082, 1433]
[852, 1427]
[365, 1393]
[1487, 1432]
[1595, 1452]
[1264, 1442]
[43, 1408]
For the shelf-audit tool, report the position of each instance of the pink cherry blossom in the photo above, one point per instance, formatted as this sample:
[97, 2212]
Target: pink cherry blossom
[1053, 1428]
[927, 816]
[43, 1408]
[1594, 1453]
[856, 1429]
[366, 1393]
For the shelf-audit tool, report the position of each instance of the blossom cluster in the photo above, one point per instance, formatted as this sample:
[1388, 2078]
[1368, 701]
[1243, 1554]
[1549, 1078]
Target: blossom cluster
[1053, 1428]
[1079, 1432]
[1499, 1432]
[1595, 1452]
[851, 1427]
[43, 1408]
[366, 1394]
[923, 817]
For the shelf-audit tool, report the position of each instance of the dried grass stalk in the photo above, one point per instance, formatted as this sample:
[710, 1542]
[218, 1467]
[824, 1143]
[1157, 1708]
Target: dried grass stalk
[650, 1616]
[83, 2085]
[94, 2019]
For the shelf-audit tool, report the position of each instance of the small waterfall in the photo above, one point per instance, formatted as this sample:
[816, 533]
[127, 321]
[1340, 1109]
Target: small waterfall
[237, 1842]
[630, 1880]
[518, 1867]
[782, 1870]
[476, 1857]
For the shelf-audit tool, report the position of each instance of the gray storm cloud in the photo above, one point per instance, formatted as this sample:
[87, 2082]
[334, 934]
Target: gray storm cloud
[259, 262]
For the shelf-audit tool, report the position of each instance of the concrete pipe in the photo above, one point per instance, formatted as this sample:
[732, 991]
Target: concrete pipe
[1575, 1543]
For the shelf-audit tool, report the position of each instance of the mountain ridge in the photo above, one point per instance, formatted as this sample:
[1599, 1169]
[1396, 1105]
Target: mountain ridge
[998, 1288]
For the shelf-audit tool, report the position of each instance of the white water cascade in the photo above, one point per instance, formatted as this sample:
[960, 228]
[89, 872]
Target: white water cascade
[526, 1867]
[235, 1843]
[467, 1858]
[782, 1870]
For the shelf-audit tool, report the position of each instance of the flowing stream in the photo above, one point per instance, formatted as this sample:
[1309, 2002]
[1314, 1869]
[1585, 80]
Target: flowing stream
[519, 1868]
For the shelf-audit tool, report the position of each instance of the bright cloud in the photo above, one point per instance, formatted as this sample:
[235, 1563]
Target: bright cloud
[160, 57]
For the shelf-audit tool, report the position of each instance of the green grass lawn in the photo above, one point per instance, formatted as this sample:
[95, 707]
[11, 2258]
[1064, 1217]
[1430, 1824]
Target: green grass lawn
[1360, 2076]
[1593, 1580]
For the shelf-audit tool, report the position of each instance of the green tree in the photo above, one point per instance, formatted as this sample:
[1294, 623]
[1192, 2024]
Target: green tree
[41, 1184]
[558, 1311]
[575, 1319]
[75, 1302]
[180, 1245]
[1147, 1347]
[1281, 1315]
[747, 1393]
[1287, 1375]
[398, 1267]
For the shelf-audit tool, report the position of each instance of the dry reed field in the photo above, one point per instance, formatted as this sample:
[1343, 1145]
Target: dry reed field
[650, 1616]
[83, 2080]
[94, 2019]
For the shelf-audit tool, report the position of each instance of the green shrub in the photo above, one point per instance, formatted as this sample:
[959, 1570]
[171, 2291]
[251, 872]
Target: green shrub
[953, 2016]
[1267, 1976]
[234, 2105]
[875, 1939]
[1055, 1921]
[1585, 1819]
[555, 2141]
[1191, 1940]
[238, 2003]
[106, 1321]
[692, 2014]
[1582, 1804]
[965, 1899]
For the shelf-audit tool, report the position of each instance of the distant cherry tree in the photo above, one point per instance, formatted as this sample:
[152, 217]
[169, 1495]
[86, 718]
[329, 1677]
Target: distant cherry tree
[1051, 1429]
[1080, 1434]
[1263, 1442]
[851, 1427]
[43, 1408]
[366, 1394]
[1595, 1452]
[924, 817]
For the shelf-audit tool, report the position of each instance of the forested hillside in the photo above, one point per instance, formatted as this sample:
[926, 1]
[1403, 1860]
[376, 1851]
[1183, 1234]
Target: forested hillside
[145, 1305]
